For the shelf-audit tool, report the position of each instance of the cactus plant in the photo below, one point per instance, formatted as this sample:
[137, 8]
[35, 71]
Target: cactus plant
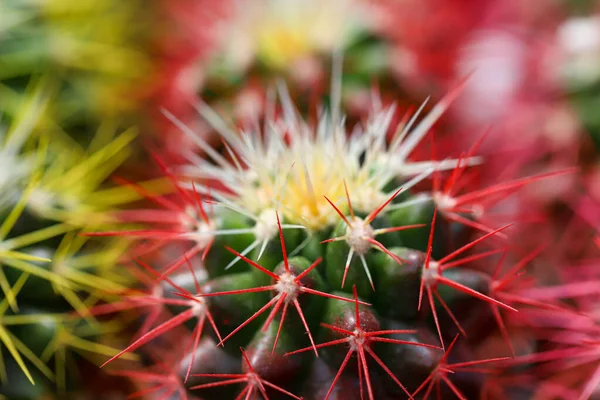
[49, 276]
[302, 239]
[296, 255]
[88, 49]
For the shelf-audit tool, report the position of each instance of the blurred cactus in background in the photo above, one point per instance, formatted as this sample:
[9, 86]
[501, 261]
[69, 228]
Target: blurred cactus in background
[62, 140]
[94, 50]
[248, 45]
[273, 34]
[50, 277]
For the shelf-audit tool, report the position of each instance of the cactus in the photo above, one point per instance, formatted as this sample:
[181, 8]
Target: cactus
[86, 48]
[50, 276]
[330, 265]
[294, 255]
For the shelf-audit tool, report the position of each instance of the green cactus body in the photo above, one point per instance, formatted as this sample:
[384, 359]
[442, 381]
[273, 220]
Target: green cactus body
[327, 269]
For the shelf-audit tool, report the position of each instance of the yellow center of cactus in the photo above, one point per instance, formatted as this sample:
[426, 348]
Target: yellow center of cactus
[298, 184]
[303, 197]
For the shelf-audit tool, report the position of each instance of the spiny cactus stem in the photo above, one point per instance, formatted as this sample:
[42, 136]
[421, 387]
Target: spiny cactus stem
[253, 381]
[499, 284]
[197, 309]
[360, 236]
[359, 341]
[287, 286]
[476, 203]
[443, 369]
[432, 275]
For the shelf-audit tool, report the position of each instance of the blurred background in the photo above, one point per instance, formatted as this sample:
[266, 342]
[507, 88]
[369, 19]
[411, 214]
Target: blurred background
[532, 65]
[84, 86]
